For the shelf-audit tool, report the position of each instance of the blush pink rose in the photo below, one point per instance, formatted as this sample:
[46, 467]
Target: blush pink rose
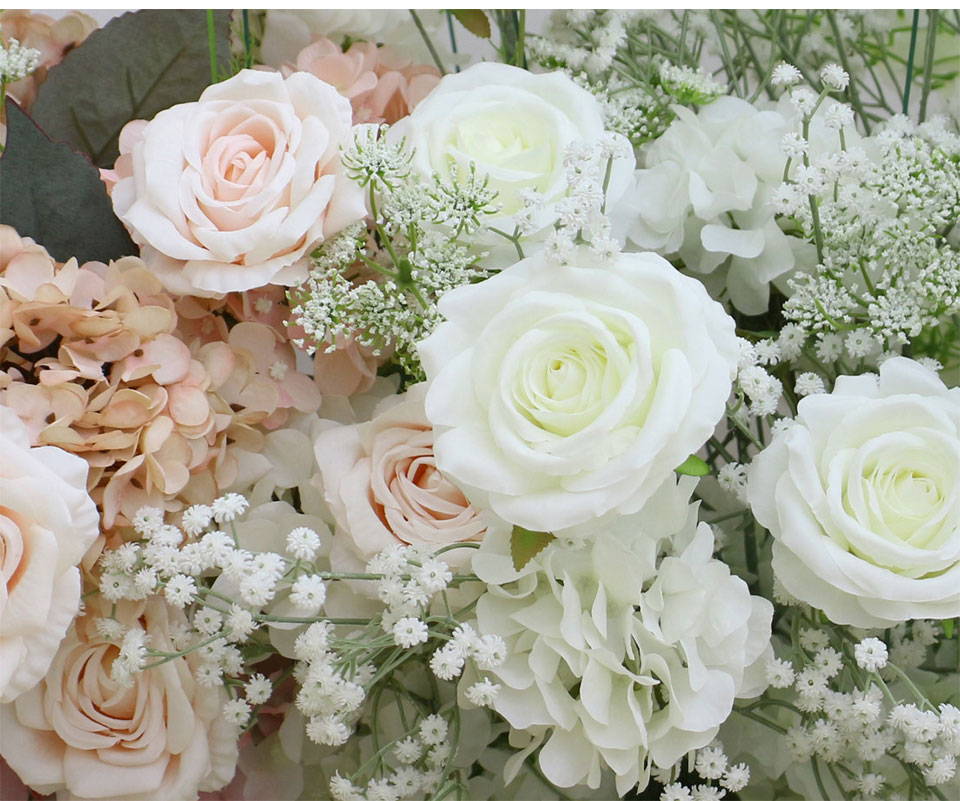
[83, 735]
[234, 191]
[382, 485]
[47, 522]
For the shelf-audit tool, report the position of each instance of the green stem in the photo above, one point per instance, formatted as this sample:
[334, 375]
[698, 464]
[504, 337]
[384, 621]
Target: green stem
[928, 62]
[453, 38]
[913, 49]
[520, 56]
[247, 49]
[212, 44]
[426, 38]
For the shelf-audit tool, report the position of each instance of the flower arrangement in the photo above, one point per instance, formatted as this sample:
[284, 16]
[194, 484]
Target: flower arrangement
[573, 413]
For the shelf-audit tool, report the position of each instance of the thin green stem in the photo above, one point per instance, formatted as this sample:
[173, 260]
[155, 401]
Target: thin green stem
[932, 16]
[212, 45]
[453, 38]
[426, 38]
[520, 58]
[913, 49]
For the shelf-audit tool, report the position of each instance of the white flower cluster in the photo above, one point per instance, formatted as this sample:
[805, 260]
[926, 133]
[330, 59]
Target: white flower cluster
[581, 215]
[881, 212]
[16, 61]
[222, 586]
[706, 194]
[418, 764]
[385, 297]
[850, 719]
[712, 765]
[411, 578]
[617, 641]
[637, 102]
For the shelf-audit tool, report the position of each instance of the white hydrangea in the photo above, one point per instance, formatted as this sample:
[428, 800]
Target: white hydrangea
[706, 193]
[581, 618]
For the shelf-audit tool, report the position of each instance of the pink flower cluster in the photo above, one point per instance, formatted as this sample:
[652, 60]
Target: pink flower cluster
[98, 363]
[380, 84]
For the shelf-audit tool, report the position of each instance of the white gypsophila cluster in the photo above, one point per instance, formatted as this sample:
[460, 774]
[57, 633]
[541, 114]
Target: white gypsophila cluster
[16, 61]
[705, 194]
[418, 765]
[380, 287]
[606, 53]
[837, 701]
[882, 215]
[581, 216]
[719, 776]
[223, 588]
[757, 392]
[612, 652]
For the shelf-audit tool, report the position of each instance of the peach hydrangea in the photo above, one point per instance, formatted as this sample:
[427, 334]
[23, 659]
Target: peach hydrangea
[54, 38]
[100, 367]
[381, 85]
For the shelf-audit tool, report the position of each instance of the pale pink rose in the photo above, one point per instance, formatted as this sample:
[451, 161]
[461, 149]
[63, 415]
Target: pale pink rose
[383, 487]
[234, 191]
[381, 85]
[83, 735]
[47, 521]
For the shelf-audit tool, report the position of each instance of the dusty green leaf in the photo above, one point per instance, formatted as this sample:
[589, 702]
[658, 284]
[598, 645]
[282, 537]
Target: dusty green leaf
[474, 21]
[693, 466]
[134, 67]
[54, 195]
[525, 544]
[948, 627]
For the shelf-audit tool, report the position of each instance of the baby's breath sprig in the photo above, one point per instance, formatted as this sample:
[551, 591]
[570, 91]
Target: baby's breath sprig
[378, 284]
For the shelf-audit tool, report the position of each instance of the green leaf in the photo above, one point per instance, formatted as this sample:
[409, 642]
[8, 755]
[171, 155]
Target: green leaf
[525, 544]
[55, 196]
[474, 21]
[948, 628]
[693, 466]
[134, 67]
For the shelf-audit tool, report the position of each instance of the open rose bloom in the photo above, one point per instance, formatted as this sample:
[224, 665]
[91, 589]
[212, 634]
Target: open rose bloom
[251, 182]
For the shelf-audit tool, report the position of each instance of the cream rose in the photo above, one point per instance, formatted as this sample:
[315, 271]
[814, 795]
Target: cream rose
[514, 125]
[560, 393]
[862, 494]
[47, 522]
[383, 486]
[84, 736]
[232, 192]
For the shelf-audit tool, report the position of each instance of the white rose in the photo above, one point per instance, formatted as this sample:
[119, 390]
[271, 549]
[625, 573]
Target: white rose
[514, 125]
[862, 494]
[562, 393]
[232, 192]
[47, 522]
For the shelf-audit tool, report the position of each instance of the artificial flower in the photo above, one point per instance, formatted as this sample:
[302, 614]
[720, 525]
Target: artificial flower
[252, 183]
[862, 494]
[514, 126]
[383, 487]
[560, 393]
[382, 86]
[84, 734]
[593, 627]
[47, 521]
